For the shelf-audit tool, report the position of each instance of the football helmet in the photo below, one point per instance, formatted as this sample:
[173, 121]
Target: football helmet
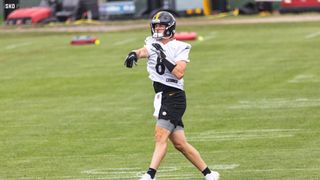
[164, 18]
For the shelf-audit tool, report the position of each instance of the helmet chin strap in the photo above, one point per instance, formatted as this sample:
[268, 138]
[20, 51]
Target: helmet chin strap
[158, 36]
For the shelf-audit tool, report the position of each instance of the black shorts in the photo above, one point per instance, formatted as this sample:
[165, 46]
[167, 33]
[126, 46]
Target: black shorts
[173, 103]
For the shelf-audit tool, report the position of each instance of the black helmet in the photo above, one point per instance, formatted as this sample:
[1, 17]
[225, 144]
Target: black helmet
[164, 18]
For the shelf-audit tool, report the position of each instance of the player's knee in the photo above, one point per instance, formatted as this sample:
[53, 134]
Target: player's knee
[160, 137]
[181, 146]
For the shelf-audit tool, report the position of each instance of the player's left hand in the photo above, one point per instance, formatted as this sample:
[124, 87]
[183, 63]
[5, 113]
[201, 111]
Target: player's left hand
[131, 59]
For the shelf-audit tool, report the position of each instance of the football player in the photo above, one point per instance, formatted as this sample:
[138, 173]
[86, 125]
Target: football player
[167, 62]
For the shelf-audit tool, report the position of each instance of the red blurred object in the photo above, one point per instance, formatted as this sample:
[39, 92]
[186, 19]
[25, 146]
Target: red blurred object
[296, 6]
[83, 40]
[186, 36]
[29, 15]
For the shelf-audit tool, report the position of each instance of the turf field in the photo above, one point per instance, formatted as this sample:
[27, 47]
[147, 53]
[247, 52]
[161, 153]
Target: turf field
[253, 111]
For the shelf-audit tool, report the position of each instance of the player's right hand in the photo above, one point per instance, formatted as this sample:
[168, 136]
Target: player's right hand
[131, 59]
[159, 50]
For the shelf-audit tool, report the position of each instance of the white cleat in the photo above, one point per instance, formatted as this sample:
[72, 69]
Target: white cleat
[212, 176]
[146, 176]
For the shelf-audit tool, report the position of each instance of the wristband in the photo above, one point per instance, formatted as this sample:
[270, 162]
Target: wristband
[168, 64]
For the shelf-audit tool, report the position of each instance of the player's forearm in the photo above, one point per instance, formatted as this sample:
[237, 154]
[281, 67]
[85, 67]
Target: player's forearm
[179, 69]
[178, 72]
[141, 53]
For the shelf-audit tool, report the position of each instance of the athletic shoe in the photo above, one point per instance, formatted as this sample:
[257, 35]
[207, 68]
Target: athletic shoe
[212, 176]
[147, 176]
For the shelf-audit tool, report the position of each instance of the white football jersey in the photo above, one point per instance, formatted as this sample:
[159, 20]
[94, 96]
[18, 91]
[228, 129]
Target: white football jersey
[175, 51]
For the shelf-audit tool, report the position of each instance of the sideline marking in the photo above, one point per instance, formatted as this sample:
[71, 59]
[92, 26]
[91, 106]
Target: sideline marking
[13, 46]
[224, 166]
[276, 103]
[243, 135]
[303, 78]
[129, 173]
[270, 170]
[111, 171]
[124, 41]
[312, 35]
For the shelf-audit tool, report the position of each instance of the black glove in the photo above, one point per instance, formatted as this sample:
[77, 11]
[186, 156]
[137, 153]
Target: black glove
[130, 59]
[162, 58]
[160, 50]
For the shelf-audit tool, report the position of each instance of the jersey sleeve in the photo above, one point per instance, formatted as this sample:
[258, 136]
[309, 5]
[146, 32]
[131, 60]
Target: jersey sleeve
[148, 44]
[183, 53]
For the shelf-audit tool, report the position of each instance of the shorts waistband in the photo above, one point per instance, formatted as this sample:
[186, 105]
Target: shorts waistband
[159, 87]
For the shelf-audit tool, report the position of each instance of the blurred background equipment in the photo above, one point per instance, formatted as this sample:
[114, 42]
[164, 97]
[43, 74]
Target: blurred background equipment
[54, 11]
[115, 9]
[33, 15]
[298, 6]
[186, 36]
[84, 40]
[251, 7]
[70, 10]
[42, 13]
[28, 16]
[219, 6]
[45, 11]
[78, 9]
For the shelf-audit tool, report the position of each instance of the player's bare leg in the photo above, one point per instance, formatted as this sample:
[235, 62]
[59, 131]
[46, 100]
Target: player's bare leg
[161, 144]
[180, 143]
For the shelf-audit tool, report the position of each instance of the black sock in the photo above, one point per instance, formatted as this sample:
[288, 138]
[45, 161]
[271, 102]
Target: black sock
[206, 171]
[152, 172]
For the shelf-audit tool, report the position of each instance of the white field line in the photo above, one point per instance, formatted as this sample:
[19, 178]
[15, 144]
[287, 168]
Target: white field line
[177, 176]
[52, 177]
[125, 170]
[224, 166]
[185, 176]
[209, 37]
[229, 135]
[123, 42]
[216, 167]
[302, 78]
[122, 173]
[164, 172]
[13, 46]
[249, 131]
[312, 35]
[280, 169]
[202, 136]
[236, 137]
[276, 103]
[45, 158]
[242, 135]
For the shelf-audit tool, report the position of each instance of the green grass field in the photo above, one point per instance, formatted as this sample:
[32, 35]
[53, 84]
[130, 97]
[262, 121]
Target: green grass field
[71, 112]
